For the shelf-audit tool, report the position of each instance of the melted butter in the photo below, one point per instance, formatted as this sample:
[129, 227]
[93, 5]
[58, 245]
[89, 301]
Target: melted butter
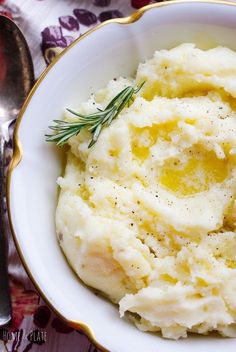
[168, 278]
[147, 227]
[230, 263]
[190, 121]
[152, 90]
[142, 151]
[201, 282]
[84, 192]
[115, 153]
[197, 175]
[151, 134]
[139, 152]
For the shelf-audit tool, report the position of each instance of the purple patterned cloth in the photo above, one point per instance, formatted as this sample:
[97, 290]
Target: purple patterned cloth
[49, 26]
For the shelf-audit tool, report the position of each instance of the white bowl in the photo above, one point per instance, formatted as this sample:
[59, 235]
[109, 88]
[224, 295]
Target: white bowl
[113, 49]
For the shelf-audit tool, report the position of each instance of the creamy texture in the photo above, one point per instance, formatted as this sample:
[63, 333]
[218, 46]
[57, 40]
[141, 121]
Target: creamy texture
[147, 215]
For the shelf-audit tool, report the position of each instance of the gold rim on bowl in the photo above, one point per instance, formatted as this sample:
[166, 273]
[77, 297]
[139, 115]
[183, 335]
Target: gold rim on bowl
[18, 152]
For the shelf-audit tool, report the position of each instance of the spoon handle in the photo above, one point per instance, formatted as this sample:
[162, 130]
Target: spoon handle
[5, 300]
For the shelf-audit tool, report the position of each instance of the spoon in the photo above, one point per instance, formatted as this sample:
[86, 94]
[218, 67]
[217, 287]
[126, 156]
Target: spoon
[16, 80]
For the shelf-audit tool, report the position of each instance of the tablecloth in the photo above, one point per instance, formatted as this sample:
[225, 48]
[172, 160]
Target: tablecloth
[49, 26]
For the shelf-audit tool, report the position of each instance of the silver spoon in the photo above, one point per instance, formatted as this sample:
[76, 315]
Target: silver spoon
[16, 80]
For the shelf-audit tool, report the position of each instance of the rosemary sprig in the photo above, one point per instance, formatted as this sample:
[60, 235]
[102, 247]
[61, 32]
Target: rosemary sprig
[63, 130]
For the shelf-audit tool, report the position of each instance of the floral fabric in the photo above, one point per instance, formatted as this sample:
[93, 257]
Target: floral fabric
[49, 26]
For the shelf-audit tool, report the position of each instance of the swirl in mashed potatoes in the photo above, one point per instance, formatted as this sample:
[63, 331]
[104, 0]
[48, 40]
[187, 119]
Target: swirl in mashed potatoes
[147, 215]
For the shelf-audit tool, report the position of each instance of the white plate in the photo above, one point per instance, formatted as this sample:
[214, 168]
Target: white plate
[113, 49]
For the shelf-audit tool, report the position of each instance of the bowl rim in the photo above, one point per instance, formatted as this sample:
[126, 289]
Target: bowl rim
[18, 151]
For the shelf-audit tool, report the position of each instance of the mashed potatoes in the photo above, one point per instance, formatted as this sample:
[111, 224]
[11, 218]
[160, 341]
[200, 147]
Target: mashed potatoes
[147, 215]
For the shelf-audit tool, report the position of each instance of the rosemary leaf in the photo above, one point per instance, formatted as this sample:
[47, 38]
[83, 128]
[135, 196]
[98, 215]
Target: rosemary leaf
[64, 130]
